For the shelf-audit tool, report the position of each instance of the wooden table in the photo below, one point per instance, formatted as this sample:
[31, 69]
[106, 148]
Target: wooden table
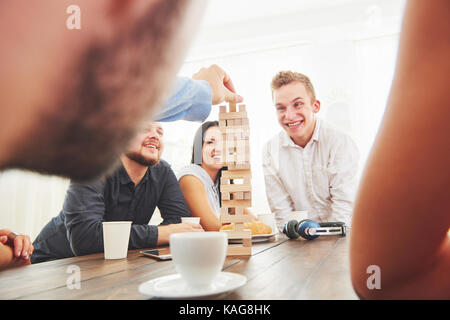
[278, 269]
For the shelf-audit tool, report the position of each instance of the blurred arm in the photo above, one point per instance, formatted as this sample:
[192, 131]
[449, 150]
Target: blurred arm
[190, 100]
[401, 215]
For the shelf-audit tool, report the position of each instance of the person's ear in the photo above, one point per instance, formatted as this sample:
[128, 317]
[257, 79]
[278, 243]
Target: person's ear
[316, 106]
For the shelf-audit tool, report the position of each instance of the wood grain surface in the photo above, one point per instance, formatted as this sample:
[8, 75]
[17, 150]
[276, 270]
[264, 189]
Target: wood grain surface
[278, 269]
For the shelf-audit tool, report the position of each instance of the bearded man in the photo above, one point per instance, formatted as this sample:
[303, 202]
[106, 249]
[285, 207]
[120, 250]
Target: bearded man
[131, 193]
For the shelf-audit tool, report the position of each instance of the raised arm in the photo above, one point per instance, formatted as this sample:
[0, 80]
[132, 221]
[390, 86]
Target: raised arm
[191, 99]
[402, 213]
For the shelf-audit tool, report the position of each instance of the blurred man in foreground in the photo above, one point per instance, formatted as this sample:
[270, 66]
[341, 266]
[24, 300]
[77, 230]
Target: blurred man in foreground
[70, 100]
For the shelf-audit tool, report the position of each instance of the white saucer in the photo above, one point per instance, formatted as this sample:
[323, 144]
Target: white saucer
[173, 286]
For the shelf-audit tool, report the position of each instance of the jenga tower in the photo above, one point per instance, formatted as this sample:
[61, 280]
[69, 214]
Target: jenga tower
[235, 183]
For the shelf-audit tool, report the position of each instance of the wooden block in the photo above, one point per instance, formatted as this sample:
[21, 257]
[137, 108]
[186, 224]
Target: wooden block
[222, 123]
[247, 196]
[226, 196]
[230, 123]
[224, 181]
[247, 242]
[241, 107]
[231, 166]
[240, 150]
[231, 144]
[241, 166]
[239, 250]
[232, 107]
[232, 115]
[234, 133]
[239, 195]
[236, 174]
[242, 158]
[227, 218]
[231, 160]
[226, 210]
[241, 143]
[222, 109]
[235, 187]
[236, 203]
[237, 122]
[238, 235]
[240, 227]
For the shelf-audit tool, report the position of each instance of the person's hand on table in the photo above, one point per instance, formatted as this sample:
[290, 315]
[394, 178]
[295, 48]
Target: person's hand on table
[164, 231]
[21, 244]
[186, 227]
[221, 85]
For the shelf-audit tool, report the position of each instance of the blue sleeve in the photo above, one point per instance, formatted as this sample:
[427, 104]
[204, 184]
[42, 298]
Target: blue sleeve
[190, 100]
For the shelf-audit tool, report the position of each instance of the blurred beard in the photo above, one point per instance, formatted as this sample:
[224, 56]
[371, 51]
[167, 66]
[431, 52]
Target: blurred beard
[113, 86]
[139, 158]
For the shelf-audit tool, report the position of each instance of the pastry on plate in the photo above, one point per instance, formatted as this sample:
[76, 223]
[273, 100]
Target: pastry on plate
[257, 227]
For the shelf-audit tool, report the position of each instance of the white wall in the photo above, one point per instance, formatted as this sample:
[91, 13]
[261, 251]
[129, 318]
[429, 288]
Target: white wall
[347, 48]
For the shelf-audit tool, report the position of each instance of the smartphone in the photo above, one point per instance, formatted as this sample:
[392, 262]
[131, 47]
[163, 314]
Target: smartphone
[160, 254]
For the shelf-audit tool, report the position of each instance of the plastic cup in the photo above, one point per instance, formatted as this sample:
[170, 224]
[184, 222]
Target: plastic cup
[116, 236]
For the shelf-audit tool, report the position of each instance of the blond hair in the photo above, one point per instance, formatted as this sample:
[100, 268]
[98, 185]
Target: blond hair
[283, 78]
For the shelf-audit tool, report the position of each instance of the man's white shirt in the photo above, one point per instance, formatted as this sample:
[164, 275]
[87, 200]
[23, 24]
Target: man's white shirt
[320, 178]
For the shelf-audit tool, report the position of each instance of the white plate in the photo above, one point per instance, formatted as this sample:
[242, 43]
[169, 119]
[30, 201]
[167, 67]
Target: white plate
[255, 238]
[173, 286]
[258, 236]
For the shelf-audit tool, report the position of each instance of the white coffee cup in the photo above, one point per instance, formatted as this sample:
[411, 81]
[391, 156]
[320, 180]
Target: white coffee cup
[199, 256]
[195, 220]
[116, 235]
[298, 215]
[269, 219]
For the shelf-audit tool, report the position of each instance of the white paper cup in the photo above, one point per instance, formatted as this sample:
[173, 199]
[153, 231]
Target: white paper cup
[116, 235]
[199, 256]
[195, 220]
[269, 219]
[298, 215]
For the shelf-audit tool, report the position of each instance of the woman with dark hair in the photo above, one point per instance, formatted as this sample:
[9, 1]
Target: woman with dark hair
[200, 181]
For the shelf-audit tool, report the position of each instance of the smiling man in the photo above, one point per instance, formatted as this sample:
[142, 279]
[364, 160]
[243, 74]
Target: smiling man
[131, 193]
[309, 165]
